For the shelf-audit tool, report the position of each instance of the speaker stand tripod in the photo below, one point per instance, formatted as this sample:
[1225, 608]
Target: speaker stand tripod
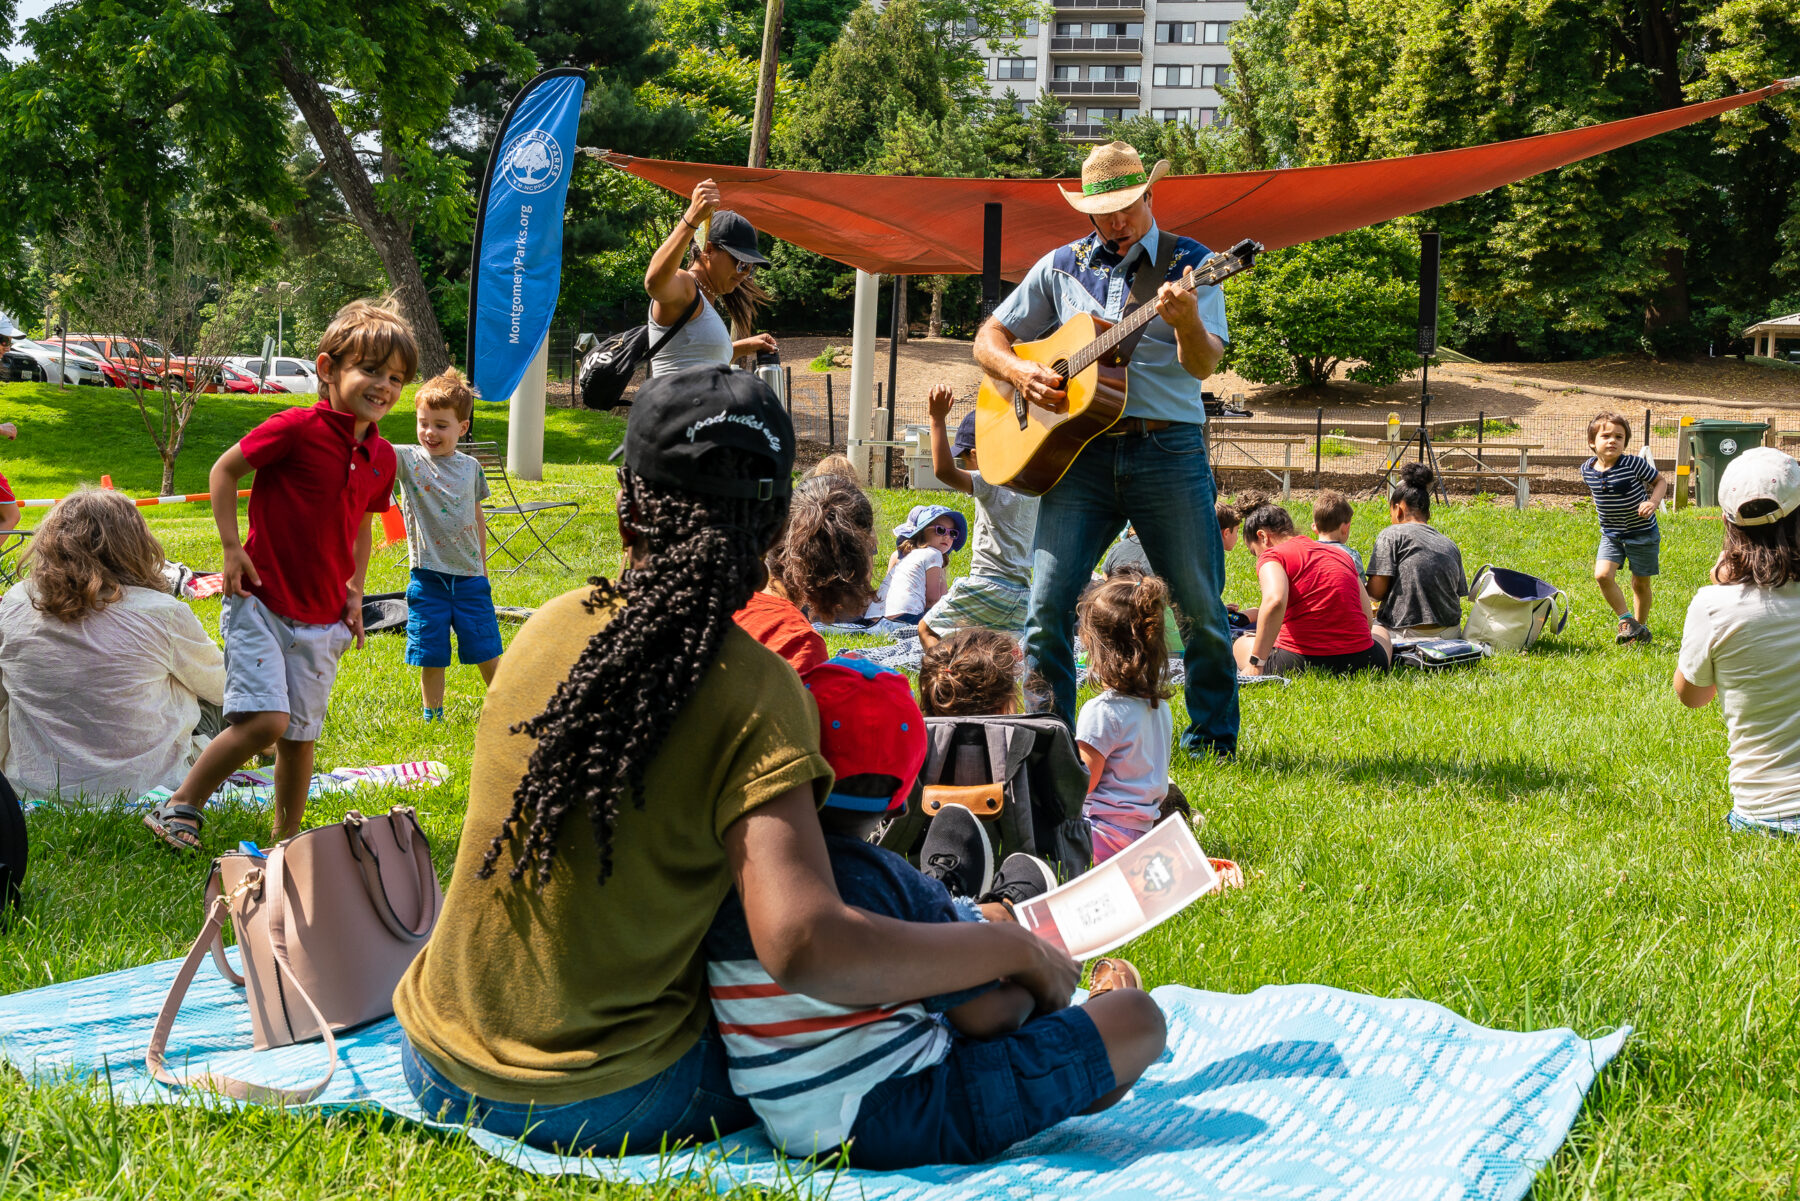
[1419, 438]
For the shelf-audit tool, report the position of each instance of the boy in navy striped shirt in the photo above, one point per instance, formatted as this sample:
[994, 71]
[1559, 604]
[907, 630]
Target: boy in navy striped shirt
[948, 1079]
[1626, 491]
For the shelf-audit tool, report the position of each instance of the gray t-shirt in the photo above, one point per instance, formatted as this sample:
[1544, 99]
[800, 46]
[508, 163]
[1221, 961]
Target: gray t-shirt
[1126, 552]
[1005, 527]
[440, 496]
[1427, 572]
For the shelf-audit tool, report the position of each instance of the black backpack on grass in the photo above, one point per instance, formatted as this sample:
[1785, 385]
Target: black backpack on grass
[13, 846]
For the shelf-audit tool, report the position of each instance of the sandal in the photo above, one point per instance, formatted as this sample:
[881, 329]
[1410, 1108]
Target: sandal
[1110, 974]
[178, 826]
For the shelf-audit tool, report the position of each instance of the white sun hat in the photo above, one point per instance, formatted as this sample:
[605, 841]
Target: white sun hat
[1761, 473]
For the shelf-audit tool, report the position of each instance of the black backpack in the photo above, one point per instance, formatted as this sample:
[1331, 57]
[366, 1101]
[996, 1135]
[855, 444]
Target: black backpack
[13, 846]
[606, 370]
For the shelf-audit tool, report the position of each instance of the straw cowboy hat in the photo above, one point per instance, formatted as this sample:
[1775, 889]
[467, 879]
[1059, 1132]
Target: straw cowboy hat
[1113, 178]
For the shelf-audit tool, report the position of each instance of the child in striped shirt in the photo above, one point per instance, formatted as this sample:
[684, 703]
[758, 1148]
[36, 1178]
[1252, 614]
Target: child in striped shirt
[898, 1084]
[1626, 492]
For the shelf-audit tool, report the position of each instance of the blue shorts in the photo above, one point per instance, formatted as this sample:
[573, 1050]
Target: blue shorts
[1641, 550]
[986, 1096]
[437, 603]
[1780, 827]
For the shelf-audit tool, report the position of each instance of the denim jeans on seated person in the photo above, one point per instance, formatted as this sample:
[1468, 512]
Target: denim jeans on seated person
[1162, 483]
[690, 1100]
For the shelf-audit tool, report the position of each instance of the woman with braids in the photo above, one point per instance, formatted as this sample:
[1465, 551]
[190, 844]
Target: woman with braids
[638, 756]
[713, 298]
[1415, 572]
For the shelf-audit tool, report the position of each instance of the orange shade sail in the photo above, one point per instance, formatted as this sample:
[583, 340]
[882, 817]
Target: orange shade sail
[909, 225]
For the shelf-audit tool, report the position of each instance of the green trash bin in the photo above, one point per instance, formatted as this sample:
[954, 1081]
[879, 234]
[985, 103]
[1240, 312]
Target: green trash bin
[1715, 443]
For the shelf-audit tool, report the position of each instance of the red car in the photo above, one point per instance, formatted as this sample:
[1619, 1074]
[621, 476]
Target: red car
[231, 379]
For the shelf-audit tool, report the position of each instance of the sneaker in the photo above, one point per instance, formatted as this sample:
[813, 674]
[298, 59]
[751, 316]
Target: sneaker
[957, 854]
[1110, 974]
[434, 714]
[1631, 630]
[1020, 878]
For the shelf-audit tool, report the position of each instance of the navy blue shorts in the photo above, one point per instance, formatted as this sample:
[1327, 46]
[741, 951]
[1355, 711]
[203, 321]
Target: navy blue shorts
[986, 1096]
[1640, 550]
[437, 603]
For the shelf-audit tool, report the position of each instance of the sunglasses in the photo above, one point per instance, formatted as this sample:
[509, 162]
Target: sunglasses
[948, 531]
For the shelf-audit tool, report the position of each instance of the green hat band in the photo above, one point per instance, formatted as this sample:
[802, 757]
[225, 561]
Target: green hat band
[1113, 185]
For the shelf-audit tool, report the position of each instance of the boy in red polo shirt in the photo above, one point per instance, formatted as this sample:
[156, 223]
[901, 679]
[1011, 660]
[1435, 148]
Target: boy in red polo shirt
[293, 589]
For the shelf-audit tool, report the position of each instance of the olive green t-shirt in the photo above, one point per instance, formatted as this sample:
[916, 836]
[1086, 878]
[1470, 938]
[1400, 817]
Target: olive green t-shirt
[589, 988]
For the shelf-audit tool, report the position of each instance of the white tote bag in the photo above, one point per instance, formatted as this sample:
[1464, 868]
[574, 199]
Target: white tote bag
[1509, 610]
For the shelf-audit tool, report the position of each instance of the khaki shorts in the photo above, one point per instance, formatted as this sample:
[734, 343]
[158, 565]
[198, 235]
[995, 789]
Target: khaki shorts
[273, 665]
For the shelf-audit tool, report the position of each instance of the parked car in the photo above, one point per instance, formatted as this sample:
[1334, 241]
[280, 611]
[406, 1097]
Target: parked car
[110, 372]
[235, 379]
[294, 374]
[136, 355]
[50, 361]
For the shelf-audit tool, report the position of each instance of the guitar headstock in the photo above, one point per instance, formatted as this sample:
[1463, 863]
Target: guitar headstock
[1246, 251]
[1224, 264]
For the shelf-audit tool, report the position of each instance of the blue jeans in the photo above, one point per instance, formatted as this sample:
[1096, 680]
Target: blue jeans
[691, 1099]
[1162, 483]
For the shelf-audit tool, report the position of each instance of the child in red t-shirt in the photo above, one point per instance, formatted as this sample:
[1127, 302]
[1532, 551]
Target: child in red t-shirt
[293, 589]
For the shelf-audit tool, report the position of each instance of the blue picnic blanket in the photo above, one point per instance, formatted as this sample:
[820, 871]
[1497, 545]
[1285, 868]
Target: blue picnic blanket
[1292, 1091]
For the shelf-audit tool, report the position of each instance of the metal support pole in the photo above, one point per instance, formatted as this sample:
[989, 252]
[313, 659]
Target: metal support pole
[1318, 442]
[893, 397]
[1480, 429]
[787, 388]
[830, 416]
[862, 372]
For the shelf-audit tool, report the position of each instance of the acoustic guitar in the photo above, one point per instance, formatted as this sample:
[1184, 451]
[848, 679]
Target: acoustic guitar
[1028, 447]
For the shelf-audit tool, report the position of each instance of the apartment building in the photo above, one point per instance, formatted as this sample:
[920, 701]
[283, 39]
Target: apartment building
[1107, 59]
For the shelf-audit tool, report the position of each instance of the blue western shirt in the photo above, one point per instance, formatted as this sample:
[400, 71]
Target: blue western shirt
[1083, 278]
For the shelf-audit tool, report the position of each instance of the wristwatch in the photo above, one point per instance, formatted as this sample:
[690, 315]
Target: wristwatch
[1257, 662]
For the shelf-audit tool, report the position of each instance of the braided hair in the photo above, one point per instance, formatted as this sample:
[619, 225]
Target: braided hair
[696, 561]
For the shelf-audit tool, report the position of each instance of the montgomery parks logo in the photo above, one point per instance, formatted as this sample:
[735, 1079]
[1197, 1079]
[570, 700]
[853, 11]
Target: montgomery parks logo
[533, 162]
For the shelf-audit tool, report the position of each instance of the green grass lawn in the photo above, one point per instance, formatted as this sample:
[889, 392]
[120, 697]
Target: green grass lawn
[1538, 842]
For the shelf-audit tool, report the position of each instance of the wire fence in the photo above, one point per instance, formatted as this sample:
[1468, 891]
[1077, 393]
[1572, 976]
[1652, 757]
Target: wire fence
[1483, 452]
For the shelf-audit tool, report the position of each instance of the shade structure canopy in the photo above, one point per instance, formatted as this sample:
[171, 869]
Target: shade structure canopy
[909, 225]
[1764, 334]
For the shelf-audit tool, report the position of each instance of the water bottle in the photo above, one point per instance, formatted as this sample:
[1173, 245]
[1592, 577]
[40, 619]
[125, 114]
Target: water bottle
[768, 370]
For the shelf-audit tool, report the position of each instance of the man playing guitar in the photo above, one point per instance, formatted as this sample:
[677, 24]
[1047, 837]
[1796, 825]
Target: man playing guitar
[1151, 468]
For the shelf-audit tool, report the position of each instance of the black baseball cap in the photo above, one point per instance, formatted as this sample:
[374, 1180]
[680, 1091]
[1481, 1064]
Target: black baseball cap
[679, 419]
[736, 235]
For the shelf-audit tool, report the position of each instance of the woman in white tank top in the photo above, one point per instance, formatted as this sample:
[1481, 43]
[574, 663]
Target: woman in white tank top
[721, 274]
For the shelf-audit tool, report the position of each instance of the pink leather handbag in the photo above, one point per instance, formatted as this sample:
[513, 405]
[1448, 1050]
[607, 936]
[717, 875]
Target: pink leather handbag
[326, 925]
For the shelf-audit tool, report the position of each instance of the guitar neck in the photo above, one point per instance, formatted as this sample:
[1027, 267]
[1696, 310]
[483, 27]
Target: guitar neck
[1214, 270]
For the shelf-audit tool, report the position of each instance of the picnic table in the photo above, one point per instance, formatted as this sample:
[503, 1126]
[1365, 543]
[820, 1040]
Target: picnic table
[1217, 438]
[1468, 460]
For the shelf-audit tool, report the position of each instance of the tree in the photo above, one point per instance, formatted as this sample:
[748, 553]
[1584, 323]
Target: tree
[1611, 252]
[1350, 298]
[118, 278]
[1191, 149]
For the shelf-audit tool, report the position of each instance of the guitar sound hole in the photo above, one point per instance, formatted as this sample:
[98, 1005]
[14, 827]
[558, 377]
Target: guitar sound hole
[1061, 367]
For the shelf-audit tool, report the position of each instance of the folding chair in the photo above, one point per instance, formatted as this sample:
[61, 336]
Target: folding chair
[493, 468]
[12, 555]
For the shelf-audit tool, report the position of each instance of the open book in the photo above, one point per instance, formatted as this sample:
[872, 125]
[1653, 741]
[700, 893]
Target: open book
[1142, 886]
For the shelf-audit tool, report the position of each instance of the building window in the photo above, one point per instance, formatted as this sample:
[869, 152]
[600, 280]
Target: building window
[1179, 33]
[1068, 29]
[1214, 77]
[1212, 116]
[1099, 116]
[1015, 68]
[1028, 28]
[1173, 77]
[1022, 107]
[1216, 32]
[1169, 116]
[1064, 72]
[1117, 73]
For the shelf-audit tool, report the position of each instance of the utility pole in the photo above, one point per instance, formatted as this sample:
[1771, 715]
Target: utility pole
[765, 85]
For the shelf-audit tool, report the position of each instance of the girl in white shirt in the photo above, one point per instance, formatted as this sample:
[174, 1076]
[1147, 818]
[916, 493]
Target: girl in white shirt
[1739, 643]
[1124, 735]
[915, 577]
[107, 682]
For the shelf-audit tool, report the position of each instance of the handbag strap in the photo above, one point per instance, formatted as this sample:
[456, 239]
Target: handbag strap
[214, 888]
[242, 1090]
[369, 863]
